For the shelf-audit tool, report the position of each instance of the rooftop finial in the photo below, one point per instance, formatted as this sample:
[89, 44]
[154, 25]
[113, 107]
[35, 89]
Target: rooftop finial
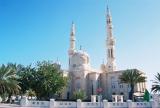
[57, 61]
[108, 10]
[107, 4]
[73, 29]
[103, 61]
[80, 48]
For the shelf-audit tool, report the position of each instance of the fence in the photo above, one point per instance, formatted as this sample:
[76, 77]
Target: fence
[79, 104]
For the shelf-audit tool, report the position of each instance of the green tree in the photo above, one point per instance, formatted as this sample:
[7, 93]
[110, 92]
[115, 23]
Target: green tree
[49, 80]
[8, 80]
[45, 78]
[79, 94]
[156, 87]
[26, 77]
[132, 77]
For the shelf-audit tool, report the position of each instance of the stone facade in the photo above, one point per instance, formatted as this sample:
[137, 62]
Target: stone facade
[84, 77]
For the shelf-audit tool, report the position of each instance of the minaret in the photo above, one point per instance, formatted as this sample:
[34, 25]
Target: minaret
[72, 40]
[110, 43]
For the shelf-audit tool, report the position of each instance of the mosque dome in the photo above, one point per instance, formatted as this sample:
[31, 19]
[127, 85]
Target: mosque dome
[82, 56]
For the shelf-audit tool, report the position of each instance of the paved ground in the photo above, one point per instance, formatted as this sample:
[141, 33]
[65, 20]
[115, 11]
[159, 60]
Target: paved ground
[14, 106]
[9, 106]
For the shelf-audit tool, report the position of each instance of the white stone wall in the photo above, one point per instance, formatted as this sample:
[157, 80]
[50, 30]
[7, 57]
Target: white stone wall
[79, 104]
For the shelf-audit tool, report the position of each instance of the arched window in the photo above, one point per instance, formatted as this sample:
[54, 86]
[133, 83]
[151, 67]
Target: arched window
[121, 86]
[121, 93]
[111, 53]
[113, 93]
[78, 85]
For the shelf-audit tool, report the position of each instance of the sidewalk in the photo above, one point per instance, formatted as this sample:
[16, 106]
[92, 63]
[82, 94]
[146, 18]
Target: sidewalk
[15, 106]
[9, 105]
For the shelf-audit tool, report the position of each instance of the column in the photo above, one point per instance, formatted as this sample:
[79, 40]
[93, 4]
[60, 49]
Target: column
[79, 103]
[129, 103]
[24, 101]
[93, 98]
[105, 104]
[52, 103]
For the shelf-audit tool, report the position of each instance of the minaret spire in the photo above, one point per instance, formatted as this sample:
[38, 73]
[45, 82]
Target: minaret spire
[72, 40]
[110, 44]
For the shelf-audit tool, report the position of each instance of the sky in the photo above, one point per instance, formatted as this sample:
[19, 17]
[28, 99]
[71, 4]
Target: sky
[36, 30]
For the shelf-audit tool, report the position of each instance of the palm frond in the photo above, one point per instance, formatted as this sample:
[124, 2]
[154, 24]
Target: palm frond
[156, 84]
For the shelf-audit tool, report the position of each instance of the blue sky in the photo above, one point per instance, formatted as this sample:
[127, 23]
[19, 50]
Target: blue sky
[35, 30]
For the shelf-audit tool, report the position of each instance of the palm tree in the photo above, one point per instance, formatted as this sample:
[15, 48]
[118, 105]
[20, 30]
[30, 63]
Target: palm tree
[156, 87]
[8, 80]
[79, 94]
[132, 77]
[30, 93]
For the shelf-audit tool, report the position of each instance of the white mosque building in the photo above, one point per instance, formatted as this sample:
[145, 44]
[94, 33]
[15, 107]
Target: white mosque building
[84, 77]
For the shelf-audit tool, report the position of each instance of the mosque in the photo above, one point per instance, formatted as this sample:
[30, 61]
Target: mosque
[106, 79]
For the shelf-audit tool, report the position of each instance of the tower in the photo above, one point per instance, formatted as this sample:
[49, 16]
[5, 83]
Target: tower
[110, 44]
[72, 40]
